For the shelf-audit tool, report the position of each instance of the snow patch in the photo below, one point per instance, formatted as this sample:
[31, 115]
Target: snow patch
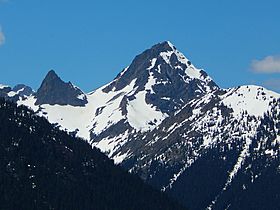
[111, 113]
[111, 145]
[29, 102]
[143, 116]
[70, 118]
[151, 82]
[153, 62]
[244, 153]
[193, 73]
[166, 56]
[12, 94]
[119, 158]
[81, 97]
[3, 86]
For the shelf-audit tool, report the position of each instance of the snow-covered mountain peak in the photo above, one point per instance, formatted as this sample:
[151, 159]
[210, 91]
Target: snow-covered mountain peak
[16, 93]
[167, 121]
[162, 60]
[177, 61]
[166, 76]
[252, 99]
[171, 45]
[3, 86]
[164, 46]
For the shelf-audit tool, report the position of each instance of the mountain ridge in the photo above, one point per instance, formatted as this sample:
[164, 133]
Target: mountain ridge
[163, 119]
[45, 168]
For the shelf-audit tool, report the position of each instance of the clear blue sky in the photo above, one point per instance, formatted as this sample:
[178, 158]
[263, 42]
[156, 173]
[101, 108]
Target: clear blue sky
[88, 42]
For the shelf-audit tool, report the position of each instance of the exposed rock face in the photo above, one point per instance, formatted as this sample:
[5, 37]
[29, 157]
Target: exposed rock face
[54, 91]
[168, 122]
[212, 155]
[165, 74]
[19, 92]
[23, 90]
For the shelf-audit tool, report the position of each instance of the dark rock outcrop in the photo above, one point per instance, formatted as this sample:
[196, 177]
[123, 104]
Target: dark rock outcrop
[23, 90]
[54, 91]
[164, 65]
[20, 91]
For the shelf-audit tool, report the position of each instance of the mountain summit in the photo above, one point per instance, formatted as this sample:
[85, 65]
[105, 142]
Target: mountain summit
[169, 122]
[54, 91]
[164, 73]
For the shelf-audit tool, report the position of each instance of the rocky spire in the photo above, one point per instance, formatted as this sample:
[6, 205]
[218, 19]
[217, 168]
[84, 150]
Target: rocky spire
[55, 91]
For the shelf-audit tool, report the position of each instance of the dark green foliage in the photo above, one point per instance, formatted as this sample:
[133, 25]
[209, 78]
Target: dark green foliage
[45, 168]
[205, 179]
